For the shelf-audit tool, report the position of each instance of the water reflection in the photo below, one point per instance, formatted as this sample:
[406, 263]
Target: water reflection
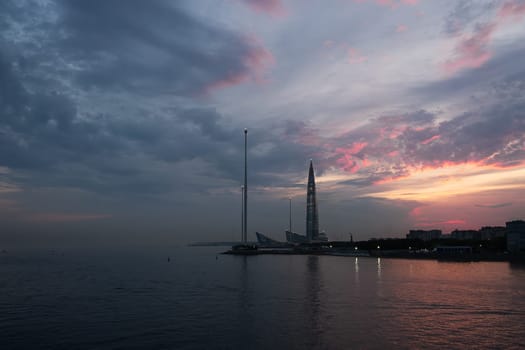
[291, 302]
[245, 314]
[243, 278]
[312, 280]
[313, 300]
[356, 271]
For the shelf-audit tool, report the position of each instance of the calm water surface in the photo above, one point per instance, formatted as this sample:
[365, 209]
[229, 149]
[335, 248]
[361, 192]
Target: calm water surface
[127, 299]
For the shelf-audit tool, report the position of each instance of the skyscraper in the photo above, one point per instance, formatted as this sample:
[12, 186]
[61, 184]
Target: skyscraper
[312, 218]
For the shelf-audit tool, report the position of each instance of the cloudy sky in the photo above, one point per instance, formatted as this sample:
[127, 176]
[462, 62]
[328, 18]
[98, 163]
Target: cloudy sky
[124, 119]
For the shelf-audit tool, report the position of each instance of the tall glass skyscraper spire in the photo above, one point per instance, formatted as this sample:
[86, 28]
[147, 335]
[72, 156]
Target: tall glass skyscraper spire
[312, 219]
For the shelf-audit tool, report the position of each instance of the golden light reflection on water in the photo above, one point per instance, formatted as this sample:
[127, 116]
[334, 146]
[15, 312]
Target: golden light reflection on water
[407, 303]
[379, 268]
[356, 270]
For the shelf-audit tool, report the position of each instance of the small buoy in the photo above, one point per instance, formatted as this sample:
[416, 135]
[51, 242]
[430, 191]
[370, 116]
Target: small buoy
[216, 257]
[168, 258]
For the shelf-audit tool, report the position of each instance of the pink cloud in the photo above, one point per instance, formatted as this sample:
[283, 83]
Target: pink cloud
[389, 179]
[271, 7]
[392, 132]
[258, 60]
[410, 2]
[393, 147]
[255, 64]
[512, 10]
[417, 214]
[454, 222]
[355, 148]
[450, 224]
[393, 154]
[348, 160]
[349, 165]
[431, 139]
[401, 28]
[436, 217]
[355, 56]
[473, 51]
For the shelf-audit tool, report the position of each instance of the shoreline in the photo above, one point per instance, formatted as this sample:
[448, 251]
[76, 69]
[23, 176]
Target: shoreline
[474, 257]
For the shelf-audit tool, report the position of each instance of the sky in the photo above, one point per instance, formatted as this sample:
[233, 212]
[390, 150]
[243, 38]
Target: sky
[123, 120]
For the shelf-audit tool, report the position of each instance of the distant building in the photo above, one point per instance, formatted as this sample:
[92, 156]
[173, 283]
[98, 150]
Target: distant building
[322, 237]
[465, 234]
[312, 217]
[263, 239]
[293, 237]
[492, 232]
[424, 235]
[516, 236]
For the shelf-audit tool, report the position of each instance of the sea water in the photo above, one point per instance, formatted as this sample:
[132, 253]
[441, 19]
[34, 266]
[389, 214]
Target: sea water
[195, 298]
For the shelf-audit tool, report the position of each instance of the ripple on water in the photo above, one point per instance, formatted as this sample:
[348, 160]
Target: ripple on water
[267, 302]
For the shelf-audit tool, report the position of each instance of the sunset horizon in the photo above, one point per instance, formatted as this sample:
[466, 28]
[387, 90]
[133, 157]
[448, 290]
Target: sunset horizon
[130, 117]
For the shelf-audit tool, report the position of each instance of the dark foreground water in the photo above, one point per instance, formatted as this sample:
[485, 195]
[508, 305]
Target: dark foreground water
[131, 299]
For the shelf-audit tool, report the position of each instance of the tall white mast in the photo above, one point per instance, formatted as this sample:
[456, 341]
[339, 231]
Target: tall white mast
[245, 197]
[290, 199]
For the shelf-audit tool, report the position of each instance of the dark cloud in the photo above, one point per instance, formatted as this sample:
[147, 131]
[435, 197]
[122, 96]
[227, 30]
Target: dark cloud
[418, 118]
[494, 206]
[132, 46]
[364, 182]
[40, 129]
[154, 47]
[484, 135]
[501, 68]
[209, 124]
[464, 14]
[140, 49]
[44, 132]
[103, 109]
